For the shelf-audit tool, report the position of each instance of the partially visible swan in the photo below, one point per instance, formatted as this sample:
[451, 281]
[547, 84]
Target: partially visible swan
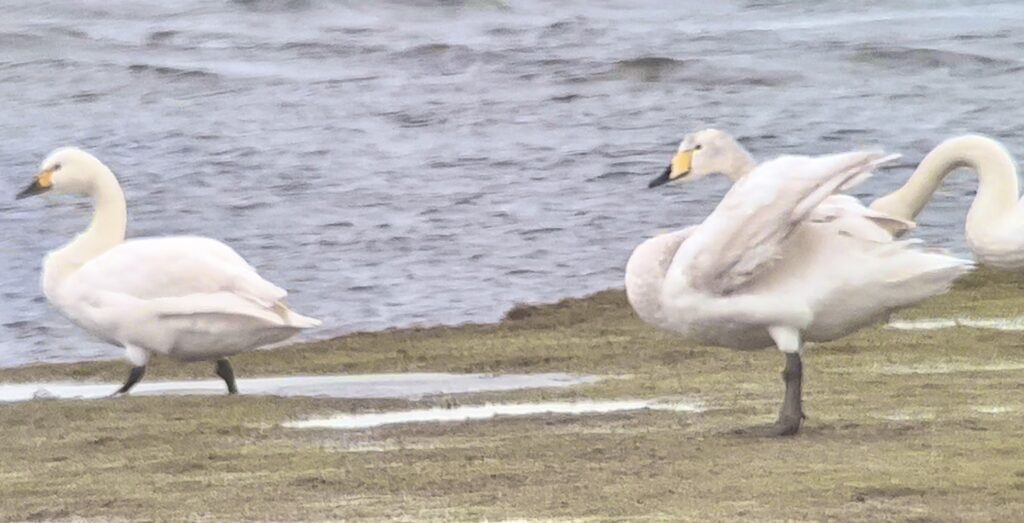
[995, 222]
[781, 260]
[189, 298]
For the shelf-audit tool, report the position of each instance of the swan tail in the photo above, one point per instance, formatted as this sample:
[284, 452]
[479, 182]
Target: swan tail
[294, 319]
[223, 304]
[922, 274]
[255, 288]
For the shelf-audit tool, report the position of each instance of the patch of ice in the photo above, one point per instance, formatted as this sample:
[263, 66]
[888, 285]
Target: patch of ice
[993, 409]
[360, 386]
[1002, 324]
[927, 324]
[946, 368]
[908, 416]
[481, 412]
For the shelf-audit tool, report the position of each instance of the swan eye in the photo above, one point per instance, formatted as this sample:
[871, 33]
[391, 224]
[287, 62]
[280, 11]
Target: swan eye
[56, 167]
[698, 147]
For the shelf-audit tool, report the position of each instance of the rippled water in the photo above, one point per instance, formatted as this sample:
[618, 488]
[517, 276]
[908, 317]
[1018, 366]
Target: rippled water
[403, 162]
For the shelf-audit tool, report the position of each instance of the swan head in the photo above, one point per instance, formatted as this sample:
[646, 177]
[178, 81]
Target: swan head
[705, 152]
[67, 170]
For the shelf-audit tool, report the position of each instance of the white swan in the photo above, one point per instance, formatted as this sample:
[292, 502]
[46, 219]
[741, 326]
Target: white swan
[781, 260]
[189, 298]
[995, 222]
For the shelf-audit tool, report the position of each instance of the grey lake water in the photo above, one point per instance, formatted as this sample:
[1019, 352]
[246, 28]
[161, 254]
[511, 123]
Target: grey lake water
[416, 162]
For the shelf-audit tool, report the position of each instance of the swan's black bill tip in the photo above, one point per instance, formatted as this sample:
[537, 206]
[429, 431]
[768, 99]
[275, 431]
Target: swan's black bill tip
[665, 177]
[31, 190]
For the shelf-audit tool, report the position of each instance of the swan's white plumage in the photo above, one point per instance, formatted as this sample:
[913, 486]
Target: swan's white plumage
[645, 274]
[743, 235]
[853, 218]
[784, 258]
[176, 266]
[186, 297]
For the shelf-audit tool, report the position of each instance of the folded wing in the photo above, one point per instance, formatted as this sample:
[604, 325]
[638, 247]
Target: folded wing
[178, 276]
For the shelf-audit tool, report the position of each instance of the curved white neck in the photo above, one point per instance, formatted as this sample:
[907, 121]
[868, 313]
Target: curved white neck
[741, 165]
[997, 181]
[107, 229]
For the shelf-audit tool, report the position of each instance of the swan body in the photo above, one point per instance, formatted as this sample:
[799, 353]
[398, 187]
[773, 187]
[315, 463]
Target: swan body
[995, 221]
[189, 298]
[783, 259]
[645, 275]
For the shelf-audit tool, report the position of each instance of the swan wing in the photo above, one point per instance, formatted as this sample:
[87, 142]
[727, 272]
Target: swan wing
[850, 216]
[180, 274]
[744, 235]
[216, 304]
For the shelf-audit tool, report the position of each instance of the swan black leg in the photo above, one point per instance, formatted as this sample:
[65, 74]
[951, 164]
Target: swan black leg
[791, 414]
[133, 377]
[225, 371]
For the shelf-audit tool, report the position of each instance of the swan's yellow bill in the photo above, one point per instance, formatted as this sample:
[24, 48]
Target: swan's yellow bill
[680, 164]
[676, 169]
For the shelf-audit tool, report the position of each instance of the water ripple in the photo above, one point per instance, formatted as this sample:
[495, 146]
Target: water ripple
[438, 162]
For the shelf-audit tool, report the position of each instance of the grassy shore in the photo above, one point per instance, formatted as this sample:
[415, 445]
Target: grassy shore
[903, 425]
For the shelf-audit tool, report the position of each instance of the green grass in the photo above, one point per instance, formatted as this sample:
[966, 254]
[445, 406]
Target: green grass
[880, 443]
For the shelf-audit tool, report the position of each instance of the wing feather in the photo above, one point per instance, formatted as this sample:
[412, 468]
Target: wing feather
[177, 267]
[744, 234]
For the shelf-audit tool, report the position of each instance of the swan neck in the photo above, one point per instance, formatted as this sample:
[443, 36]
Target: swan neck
[106, 229]
[742, 164]
[998, 190]
[997, 180]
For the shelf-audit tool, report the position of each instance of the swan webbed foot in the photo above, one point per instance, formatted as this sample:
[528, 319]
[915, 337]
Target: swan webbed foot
[133, 377]
[226, 373]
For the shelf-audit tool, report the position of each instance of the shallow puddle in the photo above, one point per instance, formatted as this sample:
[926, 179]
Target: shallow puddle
[1002, 324]
[482, 412]
[400, 386]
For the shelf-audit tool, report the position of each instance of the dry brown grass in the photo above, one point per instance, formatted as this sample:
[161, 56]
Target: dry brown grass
[881, 443]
